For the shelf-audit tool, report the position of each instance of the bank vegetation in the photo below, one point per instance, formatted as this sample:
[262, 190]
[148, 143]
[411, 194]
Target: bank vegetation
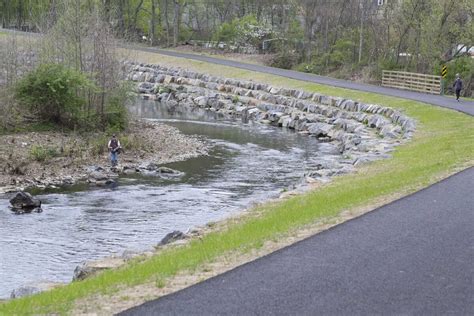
[70, 80]
[352, 39]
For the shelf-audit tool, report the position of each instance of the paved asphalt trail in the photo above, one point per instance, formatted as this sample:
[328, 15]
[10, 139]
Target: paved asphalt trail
[412, 256]
[463, 106]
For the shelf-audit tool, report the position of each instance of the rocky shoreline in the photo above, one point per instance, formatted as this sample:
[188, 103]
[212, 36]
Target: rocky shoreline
[71, 158]
[359, 132]
[91, 268]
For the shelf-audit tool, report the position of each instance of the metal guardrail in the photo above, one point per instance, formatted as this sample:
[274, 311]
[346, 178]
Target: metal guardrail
[412, 81]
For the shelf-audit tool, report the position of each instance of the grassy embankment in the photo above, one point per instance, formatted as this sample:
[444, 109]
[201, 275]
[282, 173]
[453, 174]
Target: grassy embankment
[441, 146]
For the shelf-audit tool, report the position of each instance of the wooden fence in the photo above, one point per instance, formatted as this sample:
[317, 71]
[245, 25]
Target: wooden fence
[412, 81]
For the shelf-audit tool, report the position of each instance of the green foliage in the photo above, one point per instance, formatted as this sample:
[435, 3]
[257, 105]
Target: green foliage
[285, 59]
[185, 34]
[235, 99]
[464, 66]
[227, 32]
[98, 144]
[341, 53]
[41, 154]
[244, 31]
[57, 95]
[53, 91]
[116, 114]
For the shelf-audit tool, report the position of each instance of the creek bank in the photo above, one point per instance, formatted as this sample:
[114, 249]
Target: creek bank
[90, 268]
[358, 132]
[28, 290]
[53, 159]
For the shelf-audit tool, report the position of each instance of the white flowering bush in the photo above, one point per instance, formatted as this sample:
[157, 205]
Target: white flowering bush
[243, 32]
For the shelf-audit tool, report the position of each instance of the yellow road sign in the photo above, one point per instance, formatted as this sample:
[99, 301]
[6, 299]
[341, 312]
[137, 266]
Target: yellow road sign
[444, 71]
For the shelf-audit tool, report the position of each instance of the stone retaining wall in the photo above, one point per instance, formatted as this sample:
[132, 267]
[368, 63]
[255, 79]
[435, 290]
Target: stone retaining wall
[360, 132]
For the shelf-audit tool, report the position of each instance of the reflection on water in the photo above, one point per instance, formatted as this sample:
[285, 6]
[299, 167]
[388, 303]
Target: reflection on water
[247, 163]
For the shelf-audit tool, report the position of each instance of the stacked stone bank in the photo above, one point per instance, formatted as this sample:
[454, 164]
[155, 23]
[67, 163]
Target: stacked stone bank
[360, 132]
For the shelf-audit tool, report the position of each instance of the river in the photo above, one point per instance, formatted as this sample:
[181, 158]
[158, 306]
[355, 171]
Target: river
[247, 163]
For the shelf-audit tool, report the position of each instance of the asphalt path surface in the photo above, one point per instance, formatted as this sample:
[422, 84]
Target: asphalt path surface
[413, 256]
[464, 106]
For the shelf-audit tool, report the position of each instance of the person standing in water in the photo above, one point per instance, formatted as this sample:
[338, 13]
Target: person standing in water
[114, 148]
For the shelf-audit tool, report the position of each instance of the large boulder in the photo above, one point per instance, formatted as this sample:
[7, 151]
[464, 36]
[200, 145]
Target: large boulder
[88, 269]
[23, 202]
[201, 101]
[172, 237]
[24, 291]
[168, 172]
[33, 289]
[146, 87]
[98, 176]
[320, 129]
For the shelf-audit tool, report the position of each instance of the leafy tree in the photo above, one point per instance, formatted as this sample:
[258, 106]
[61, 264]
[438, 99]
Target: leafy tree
[55, 93]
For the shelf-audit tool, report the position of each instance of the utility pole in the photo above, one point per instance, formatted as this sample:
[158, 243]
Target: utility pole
[361, 31]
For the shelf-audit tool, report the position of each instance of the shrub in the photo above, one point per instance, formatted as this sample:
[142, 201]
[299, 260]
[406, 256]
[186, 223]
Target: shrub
[244, 31]
[53, 92]
[227, 32]
[116, 114]
[98, 145]
[464, 66]
[284, 59]
[40, 153]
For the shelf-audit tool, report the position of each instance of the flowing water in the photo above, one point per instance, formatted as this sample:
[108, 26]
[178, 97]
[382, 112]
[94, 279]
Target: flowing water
[247, 163]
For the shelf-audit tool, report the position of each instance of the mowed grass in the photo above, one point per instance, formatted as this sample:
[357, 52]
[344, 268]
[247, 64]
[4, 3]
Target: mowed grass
[442, 145]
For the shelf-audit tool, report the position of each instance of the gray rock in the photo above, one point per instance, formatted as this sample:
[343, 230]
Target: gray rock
[320, 129]
[304, 95]
[284, 121]
[201, 101]
[98, 176]
[168, 172]
[152, 166]
[88, 269]
[24, 291]
[23, 202]
[409, 126]
[130, 254]
[172, 237]
[274, 116]
[274, 90]
[377, 121]
[28, 290]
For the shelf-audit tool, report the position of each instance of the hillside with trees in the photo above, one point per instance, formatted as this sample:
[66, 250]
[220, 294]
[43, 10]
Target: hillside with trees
[351, 39]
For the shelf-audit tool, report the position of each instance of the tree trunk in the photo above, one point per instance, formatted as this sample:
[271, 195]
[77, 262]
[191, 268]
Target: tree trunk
[153, 23]
[177, 8]
[19, 21]
[361, 32]
[121, 18]
[167, 21]
[107, 11]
